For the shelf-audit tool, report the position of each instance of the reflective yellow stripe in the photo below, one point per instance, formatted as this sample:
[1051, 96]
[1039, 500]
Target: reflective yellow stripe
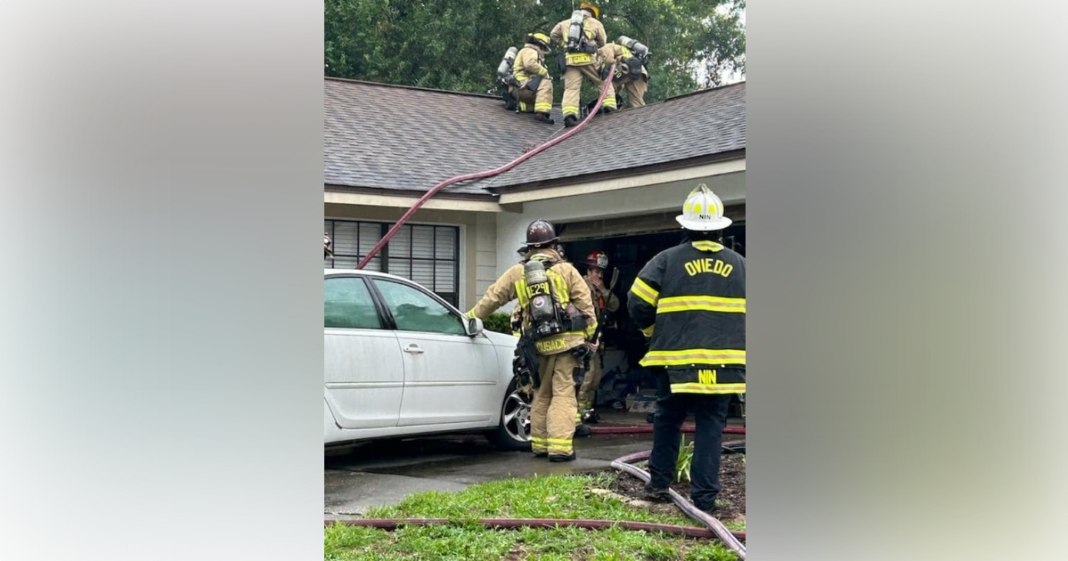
[579, 58]
[694, 356]
[708, 389]
[645, 292]
[560, 287]
[610, 102]
[569, 110]
[559, 441]
[705, 245]
[543, 107]
[471, 313]
[521, 292]
[704, 303]
[648, 331]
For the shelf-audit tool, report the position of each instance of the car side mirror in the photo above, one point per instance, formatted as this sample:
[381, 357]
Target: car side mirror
[474, 326]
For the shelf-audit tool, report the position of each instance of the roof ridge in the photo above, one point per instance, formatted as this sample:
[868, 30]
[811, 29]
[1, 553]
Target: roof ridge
[706, 90]
[404, 87]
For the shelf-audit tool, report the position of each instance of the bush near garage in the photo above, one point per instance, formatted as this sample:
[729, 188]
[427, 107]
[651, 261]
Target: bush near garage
[499, 322]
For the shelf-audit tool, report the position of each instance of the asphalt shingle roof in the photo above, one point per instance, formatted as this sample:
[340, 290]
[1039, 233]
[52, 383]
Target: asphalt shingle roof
[398, 138]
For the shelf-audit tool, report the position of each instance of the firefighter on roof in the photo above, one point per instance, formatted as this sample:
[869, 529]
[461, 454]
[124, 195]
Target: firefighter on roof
[690, 300]
[558, 321]
[630, 58]
[582, 35]
[533, 86]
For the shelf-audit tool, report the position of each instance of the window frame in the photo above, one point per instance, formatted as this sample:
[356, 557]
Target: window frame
[384, 317]
[456, 313]
[384, 257]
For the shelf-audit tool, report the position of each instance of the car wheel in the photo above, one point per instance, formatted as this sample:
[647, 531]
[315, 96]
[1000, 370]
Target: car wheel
[513, 432]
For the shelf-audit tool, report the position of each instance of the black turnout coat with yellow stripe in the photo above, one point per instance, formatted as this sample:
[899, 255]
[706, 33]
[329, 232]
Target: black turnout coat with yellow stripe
[690, 300]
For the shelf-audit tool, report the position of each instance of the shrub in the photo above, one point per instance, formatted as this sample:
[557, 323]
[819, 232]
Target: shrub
[499, 322]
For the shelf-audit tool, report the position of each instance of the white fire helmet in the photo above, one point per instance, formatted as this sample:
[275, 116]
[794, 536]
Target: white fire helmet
[703, 211]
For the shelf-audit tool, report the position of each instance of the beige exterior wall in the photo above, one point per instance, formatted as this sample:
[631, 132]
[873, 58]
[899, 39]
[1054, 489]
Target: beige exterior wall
[478, 240]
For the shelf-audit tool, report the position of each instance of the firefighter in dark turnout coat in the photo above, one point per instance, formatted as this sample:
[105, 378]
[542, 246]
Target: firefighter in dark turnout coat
[690, 300]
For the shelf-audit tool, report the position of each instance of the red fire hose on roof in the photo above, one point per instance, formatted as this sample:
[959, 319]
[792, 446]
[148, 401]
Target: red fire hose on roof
[483, 174]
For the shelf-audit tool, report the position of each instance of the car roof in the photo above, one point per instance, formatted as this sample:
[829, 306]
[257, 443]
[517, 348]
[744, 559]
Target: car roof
[360, 272]
[350, 272]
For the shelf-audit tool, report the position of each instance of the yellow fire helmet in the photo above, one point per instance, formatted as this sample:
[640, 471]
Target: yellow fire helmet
[540, 39]
[588, 6]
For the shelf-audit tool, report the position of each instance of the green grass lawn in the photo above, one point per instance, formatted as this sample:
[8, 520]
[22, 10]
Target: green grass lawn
[541, 497]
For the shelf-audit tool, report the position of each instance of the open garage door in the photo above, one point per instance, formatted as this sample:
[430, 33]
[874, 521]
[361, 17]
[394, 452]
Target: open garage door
[603, 228]
[630, 243]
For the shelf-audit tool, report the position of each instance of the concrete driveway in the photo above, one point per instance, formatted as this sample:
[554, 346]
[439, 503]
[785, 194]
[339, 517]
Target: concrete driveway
[385, 472]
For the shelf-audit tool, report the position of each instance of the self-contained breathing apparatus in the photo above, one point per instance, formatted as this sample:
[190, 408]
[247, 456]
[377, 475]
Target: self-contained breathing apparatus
[506, 79]
[548, 318]
[577, 41]
[545, 316]
[632, 66]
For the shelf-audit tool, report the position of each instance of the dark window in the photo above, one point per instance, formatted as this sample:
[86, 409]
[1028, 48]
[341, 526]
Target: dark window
[414, 310]
[347, 303]
[428, 255]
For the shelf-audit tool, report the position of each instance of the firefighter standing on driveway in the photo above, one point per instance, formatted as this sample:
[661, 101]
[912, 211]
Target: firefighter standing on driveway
[603, 300]
[630, 58]
[582, 36]
[535, 86]
[691, 300]
[558, 321]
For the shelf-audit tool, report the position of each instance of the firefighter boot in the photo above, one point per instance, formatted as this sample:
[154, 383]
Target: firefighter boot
[544, 118]
[559, 458]
[582, 431]
[570, 121]
[654, 494]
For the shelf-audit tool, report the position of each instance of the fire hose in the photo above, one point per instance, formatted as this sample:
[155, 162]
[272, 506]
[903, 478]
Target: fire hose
[512, 523]
[645, 429]
[730, 539]
[713, 527]
[484, 174]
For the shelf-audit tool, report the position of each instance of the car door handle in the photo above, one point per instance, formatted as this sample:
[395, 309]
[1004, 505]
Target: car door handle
[414, 349]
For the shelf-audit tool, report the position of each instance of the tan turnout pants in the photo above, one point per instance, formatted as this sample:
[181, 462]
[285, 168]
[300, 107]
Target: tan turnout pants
[588, 390]
[635, 91]
[573, 88]
[552, 425]
[540, 101]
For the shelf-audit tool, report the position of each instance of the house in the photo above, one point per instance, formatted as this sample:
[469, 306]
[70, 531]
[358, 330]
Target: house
[616, 185]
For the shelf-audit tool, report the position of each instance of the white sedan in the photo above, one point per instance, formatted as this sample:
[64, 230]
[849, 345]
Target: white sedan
[400, 361]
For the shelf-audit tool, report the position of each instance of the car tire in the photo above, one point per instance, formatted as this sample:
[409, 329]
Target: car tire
[513, 430]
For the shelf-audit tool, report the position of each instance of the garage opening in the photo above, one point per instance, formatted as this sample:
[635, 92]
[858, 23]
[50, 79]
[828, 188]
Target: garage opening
[631, 243]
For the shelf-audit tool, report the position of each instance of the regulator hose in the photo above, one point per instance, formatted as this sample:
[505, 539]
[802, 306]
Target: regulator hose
[483, 174]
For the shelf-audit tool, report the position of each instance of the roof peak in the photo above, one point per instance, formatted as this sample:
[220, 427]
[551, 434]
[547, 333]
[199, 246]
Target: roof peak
[404, 87]
[707, 90]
